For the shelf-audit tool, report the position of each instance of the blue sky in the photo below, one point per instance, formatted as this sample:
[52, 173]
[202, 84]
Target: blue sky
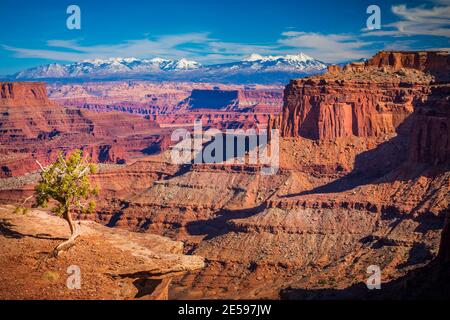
[35, 32]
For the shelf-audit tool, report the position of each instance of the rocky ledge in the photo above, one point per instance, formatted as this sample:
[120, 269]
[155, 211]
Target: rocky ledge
[114, 263]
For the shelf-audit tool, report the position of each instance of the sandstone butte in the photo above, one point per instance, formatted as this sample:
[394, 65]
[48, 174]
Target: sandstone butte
[364, 180]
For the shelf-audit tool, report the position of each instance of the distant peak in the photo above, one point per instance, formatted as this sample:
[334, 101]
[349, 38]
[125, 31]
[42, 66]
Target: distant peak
[181, 64]
[293, 57]
[108, 60]
[184, 63]
[158, 60]
[254, 57]
[300, 56]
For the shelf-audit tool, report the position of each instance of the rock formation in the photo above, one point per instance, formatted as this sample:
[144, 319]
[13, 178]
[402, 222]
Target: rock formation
[151, 261]
[435, 63]
[363, 180]
[149, 98]
[243, 100]
[213, 99]
[32, 127]
[176, 104]
[430, 138]
[367, 103]
[23, 94]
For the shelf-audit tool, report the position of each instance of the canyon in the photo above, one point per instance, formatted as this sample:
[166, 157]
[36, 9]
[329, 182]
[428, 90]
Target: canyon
[35, 128]
[147, 97]
[116, 122]
[364, 178]
[176, 104]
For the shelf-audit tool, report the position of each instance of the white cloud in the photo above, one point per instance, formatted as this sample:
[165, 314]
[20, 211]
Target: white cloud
[203, 48]
[69, 50]
[421, 20]
[197, 46]
[431, 20]
[327, 47]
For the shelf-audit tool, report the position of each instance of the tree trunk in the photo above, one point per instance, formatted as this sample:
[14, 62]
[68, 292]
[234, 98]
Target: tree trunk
[74, 233]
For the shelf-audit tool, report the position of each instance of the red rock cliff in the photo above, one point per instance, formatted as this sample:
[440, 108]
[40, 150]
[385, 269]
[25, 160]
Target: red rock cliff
[23, 94]
[436, 63]
[430, 136]
[346, 104]
[32, 127]
[366, 99]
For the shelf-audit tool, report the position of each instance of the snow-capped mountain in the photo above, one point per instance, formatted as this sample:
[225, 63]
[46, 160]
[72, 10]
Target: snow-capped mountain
[108, 67]
[301, 57]
[253, 69]
[263, 69]
[290, 63]
[182, 64]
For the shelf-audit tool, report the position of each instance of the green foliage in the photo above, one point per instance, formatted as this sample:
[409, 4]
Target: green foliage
[67, 182]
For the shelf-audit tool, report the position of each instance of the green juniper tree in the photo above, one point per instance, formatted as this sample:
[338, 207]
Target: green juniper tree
[67, 183]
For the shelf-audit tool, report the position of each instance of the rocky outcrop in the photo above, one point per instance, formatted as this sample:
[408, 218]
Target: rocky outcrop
[370, 98]
[242, 100]
[436, 63]
[213, 99]
[331, 108]
[23, 94]
[135, 266]
[334, 68]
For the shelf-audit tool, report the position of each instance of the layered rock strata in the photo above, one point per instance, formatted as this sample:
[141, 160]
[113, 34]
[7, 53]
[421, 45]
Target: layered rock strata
[33, 128]
[362, 182]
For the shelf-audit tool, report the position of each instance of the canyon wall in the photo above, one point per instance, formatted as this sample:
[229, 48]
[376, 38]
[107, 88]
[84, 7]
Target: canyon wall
[34, 128]
[242, 100]
[366, 103]
[373, 99]
[23, 94]
[430, 137]
[166, 98]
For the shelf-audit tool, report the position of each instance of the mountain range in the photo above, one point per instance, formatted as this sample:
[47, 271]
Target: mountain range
[254, 69]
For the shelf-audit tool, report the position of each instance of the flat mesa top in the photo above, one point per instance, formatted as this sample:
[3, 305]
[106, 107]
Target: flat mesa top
[372, 75]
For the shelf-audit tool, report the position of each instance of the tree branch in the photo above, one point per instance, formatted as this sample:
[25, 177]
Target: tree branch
[25, 201]
[40, 165]
[82, 173]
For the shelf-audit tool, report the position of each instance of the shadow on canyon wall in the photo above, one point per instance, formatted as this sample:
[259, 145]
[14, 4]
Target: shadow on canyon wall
[429, 282]
[381, 164]
[372, 166]
[233, 146]
[218, 226]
